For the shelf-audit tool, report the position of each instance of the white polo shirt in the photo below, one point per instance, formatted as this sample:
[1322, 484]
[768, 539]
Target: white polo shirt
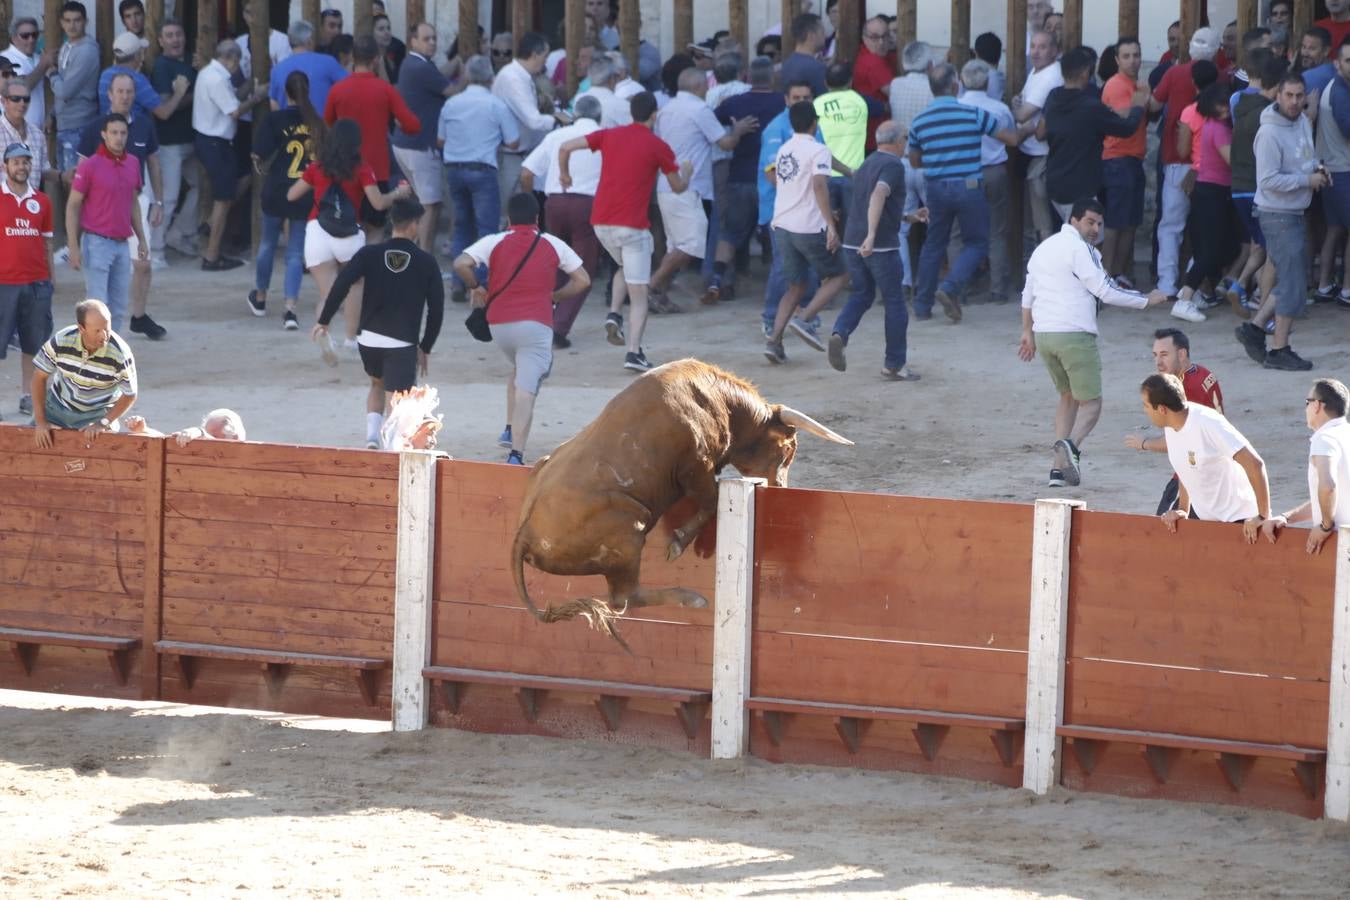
[1201, 453]
[213, 101]
[1332, 440]
[583, 165]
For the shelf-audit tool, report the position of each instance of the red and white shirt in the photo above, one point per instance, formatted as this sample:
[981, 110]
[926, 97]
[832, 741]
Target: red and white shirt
[27, 220]
[529, 296]
[1202, 386]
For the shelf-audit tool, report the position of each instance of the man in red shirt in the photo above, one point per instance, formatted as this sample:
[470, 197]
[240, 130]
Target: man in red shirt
[372, 102]
[523, 265]
[630, 159]
[1337, 22]
[25, 263]
[873, 71]
[1172, 356]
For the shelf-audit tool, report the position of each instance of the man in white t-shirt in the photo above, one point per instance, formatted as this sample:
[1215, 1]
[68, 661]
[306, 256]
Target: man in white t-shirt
[1044, 77]
[1328, 466]
[1222, 477]
[804, 236]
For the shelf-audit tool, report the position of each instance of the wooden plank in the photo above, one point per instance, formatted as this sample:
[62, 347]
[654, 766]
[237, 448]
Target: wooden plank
[285, 567]
[153, 581]
[104, 576]
[72, 524]
[982, 682]
[285, 458]
[1220, 705]
[24, 607]
[895, 714]
[280, 617]
[1190, 742]
[271, 639]
[414, 590]
[186, 537]
[554, 683]
[733, 633]
[50, 548]
[290, 513]
[234, 589]
[1337, 789]
[70, 469]
[67, 639]
[253, 654]
[75, 498]
[14, 439]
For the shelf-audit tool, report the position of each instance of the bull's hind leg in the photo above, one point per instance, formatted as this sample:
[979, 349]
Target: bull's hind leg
[625, 594]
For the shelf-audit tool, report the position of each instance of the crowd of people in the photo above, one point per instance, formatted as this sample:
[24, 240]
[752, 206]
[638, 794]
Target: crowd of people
[886, 174]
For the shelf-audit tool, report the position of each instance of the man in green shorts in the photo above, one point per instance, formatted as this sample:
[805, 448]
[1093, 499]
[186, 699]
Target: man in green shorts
[1065, 279]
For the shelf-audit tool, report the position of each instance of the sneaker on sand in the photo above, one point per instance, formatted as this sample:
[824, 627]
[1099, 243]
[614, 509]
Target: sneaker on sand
[148, 327]
[158, 263]
[1072, 472]
[1253, 340]
[515, 458]
[1185, 309]
[950, 305]
[221, 264]
[326, 349]
[711, 295]
[350, 344]
[636, 362]
[768, 326]
[1056, 478]
[504, 440]
[1285, 359]
[256, 306]
[774, 353]
[290, 321]
[26, 405]
[1326, 294]
[1237, 298]
[1206, 301]
[807, 332]
[614, 329]
[836, 351]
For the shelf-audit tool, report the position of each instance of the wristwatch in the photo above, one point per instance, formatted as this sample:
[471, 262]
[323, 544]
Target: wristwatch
[1327, 528]
[105, 423]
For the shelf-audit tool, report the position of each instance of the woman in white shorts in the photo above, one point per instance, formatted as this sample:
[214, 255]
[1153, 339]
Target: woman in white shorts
[339, 162]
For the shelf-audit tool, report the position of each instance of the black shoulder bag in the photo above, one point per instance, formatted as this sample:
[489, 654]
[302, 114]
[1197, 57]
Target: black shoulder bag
[477, 322]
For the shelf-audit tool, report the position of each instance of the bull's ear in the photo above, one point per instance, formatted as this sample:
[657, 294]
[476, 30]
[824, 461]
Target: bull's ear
[777, 414]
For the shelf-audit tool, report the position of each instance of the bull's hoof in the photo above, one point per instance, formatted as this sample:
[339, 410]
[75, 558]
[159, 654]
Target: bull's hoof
[690, 600]
[674, 549]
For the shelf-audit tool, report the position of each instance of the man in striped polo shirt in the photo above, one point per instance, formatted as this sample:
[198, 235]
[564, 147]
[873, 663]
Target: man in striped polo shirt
[945, 140]
[86, 376]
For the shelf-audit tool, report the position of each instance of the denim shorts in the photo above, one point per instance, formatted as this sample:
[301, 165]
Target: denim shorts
[737, 212]
[1336, 200]
[222, 168]
[1287, 248]
[1123, 192]
[68, 157]
[26, 308]
[803, 252]
[1246, 208]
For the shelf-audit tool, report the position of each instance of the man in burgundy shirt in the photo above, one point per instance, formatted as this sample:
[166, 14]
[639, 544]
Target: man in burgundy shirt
[372, 102]
[873, 71]
[1172, 356]
[631, 157]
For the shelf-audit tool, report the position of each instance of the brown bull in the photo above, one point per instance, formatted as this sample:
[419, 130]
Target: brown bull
[589, 506]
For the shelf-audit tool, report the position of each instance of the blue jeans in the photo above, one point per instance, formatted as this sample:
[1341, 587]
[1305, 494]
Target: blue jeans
[952, 200]
[868, 274]
[295, 254]
[775, 286]
[1287, 248]
[107, 274]
[476, 201]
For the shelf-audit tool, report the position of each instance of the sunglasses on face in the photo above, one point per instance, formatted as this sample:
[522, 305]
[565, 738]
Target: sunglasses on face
[24, 99]
[26, 35]
[501, 52]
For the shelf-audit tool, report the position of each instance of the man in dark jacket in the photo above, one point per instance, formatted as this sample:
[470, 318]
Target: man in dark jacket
[1264, 71]
[1075, 123]
[401, 279]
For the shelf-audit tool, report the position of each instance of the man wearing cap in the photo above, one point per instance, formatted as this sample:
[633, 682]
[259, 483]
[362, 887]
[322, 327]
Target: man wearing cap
[85, 376]
[25, 262]
[128, 57]
[101, 214]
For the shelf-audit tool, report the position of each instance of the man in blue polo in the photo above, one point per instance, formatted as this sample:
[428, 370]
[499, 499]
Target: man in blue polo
[945, 141]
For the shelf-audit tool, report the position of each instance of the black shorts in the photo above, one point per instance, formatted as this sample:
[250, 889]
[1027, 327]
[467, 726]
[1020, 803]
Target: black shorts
[222, 167]
[26, 309]
[375, 218]
[395, 366]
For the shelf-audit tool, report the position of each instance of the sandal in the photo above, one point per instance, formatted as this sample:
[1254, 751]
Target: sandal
[901, 374]
[661, 305]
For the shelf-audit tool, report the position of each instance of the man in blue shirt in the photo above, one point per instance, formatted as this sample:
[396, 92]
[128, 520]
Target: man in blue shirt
[323, 70]
[424, 89]
[808, 37]
[1316, 69]
[473, 125]
[945, 140]
[128, 57]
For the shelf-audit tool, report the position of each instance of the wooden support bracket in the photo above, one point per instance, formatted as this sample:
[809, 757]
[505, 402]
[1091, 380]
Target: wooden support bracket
[1310, 778]
[1160, 761]
[528, 698]
[1235, 767]
[1008, 744]
[611, 710]
[275, 676]
[118, 660]
[454, 694]
[26, 654]
[187, 667]
[691, 717]
[773, 723]
[930, 738]
[1087, 751]
[850, 731]
[366, 682]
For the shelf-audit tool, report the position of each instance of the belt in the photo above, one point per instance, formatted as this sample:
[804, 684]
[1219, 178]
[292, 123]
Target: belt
[107, 237]
[571, 197]
[969, 182]
[470, 165]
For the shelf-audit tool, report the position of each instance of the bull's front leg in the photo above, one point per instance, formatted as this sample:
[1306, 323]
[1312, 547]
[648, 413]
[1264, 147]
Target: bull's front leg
[704, 491]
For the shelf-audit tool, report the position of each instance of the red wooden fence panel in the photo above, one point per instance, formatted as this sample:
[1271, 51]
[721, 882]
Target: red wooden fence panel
[880, 600]
[1200, 634]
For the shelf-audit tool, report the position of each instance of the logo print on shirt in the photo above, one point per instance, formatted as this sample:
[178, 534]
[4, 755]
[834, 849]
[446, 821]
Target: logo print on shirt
[397, 260]
[1190, 457]
[32, 206]
[788, 167]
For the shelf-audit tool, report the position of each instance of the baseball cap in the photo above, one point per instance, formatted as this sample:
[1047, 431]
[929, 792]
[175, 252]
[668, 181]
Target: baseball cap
[127, 44]
[1205, 43]
[703, 48]
[17, 149]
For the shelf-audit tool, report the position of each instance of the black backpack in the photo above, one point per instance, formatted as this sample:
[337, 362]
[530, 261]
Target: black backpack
[337, 215]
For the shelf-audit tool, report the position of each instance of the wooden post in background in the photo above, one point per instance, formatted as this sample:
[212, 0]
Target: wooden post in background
[630, 24]
[208, 33]
[850, 26]
[309, 11]
[154, 17]
[1073, 24]
[105, 28]
[259, 34]
[520, 20]
[1246, 20]
[416, 14]
[1303, 17]
[683, 24]
[468, 29]
[6, 16]
[790, 8]
[576, 36]
[1190, 20]
[960, 48]
[907, 24]
[53, 37]
[1015, 51]
[1127, 18]
[740, 28]
[362, 13]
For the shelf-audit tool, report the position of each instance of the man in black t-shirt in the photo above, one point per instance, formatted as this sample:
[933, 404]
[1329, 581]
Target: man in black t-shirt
[176, 139]
[400, 281]
[872, 251]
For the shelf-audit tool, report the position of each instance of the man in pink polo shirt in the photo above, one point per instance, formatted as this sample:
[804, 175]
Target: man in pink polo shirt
[103, 205]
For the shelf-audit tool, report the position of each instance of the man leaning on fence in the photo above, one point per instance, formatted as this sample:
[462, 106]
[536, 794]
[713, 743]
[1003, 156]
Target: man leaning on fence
[85, 376]
[1328, 503]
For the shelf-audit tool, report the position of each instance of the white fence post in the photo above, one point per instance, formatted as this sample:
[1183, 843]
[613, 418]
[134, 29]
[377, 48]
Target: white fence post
[1046, 642]
[413, 581]
[1336, 799]
[734, 588]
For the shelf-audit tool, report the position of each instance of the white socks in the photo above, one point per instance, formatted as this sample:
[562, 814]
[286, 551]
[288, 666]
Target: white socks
[374, 422]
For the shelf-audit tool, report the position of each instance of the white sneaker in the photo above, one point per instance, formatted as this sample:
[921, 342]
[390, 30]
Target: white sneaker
[1185, 309]
[61, 257]
[158, 263]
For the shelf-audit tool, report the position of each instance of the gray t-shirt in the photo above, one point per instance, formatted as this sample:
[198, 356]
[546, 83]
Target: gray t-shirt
[75, 84]
[889, 169]
[422, 86]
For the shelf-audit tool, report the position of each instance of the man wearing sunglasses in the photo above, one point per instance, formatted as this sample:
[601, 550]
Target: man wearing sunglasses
[1328, 503]
[28, 66]
[17, 128]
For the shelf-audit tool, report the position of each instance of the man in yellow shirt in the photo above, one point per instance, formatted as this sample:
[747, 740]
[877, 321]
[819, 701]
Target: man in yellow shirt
[843, 114]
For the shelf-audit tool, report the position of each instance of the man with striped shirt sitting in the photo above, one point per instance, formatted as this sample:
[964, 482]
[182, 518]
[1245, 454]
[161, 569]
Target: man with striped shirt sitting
[945, 140]
[85, 376]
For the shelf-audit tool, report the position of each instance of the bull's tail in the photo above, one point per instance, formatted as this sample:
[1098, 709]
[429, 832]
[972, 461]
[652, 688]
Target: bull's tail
[595, 611]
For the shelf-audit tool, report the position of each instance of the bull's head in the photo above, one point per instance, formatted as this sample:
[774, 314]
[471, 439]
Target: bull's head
[769, 453]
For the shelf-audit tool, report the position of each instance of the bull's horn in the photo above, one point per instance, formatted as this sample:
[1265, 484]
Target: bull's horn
[790, 416]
